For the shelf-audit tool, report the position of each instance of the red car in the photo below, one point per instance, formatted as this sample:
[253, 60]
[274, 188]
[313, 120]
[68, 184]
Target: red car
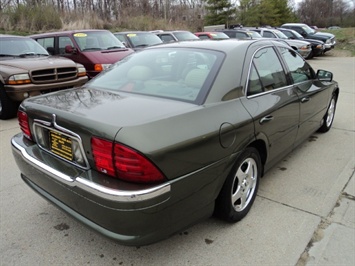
[214, 35]
[97, 50]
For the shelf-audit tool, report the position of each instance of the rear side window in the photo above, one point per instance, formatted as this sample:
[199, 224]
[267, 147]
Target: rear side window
[268, 34]
[167, 38]
[204, 37]
[266, 72]
[48, 44]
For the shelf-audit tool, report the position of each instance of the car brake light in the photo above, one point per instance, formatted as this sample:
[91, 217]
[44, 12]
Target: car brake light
[120, 161]
[24, 124]
[102, 152]
[133, 166]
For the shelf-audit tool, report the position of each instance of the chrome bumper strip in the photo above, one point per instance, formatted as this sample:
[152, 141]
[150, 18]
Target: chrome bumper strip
[101, 191]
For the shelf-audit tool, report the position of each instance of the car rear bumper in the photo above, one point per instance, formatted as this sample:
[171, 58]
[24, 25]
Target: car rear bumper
[131, 214]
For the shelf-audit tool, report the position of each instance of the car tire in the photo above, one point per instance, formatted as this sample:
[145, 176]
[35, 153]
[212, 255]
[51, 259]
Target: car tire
[311, 55]
[8, 108]
[329, 115]
[239, 190]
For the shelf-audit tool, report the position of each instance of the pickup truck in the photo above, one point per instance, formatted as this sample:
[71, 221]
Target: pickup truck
[308, 33]
[27, 70]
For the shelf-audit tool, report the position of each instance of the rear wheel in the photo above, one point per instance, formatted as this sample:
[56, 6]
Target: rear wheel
[8, 108]
[329, 116]
[239, 190]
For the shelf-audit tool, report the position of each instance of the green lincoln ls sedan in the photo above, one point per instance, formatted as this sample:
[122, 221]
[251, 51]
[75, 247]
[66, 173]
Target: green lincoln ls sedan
[171, 135]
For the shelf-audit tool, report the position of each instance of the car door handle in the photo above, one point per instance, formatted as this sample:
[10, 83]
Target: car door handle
[305, 99]
[266, 119]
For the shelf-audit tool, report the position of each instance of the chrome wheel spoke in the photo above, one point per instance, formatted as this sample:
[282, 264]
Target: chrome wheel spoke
[246, 181]
[331, 112]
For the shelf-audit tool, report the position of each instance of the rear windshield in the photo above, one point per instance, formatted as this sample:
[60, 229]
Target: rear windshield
[175, 73]
[97, 40]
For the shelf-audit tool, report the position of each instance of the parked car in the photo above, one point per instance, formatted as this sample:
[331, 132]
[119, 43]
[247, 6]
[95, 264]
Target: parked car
[95, 49]
[176, 36]
[213, 35]
[171, 135]
[303, 47]
[317, 45]
[26, 69]
[241, 33]
[309, 33]
[334, 28]
[138, 40]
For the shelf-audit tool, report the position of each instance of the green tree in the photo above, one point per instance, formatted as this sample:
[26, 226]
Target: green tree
[219, 12]
[264, 12]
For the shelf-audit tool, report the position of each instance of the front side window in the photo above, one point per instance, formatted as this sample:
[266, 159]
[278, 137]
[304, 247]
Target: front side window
[173, 73]
[300, 70]
[64, 41]
[47, 42]
[266, 72]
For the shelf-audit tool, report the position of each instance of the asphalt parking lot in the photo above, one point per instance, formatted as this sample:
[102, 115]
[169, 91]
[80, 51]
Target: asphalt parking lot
[304, 213]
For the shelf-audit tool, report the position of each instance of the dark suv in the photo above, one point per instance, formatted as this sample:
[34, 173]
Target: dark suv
[318, 46]
[26, 70]
[307, 32]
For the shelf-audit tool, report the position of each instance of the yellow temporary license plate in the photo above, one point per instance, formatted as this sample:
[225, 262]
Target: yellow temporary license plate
[61, 145]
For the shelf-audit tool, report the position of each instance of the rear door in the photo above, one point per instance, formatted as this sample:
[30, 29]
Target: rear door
[273, 103]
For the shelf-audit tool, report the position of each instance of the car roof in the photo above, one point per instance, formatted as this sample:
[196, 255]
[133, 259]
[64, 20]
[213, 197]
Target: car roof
[205, 32]
[133, 31]
[65, 32]
[223, 46]
[294, 24]
[171, 31]
[12, 36]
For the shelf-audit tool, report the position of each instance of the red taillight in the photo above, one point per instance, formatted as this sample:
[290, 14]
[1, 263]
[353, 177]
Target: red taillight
[24, 124]
[123, 162]
[132, 166]
[102, 152]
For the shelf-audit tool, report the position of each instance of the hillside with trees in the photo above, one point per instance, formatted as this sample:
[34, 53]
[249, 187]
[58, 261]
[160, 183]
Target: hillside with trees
[43, 15]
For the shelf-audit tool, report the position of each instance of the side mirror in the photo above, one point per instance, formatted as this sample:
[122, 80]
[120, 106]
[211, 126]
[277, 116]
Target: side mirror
[70, 49]
[324, 75]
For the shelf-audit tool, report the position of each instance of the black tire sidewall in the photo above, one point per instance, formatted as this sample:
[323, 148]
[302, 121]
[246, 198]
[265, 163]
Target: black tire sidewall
[8, 106]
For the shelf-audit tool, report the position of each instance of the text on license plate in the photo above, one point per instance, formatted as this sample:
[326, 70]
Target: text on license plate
[61, 145]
